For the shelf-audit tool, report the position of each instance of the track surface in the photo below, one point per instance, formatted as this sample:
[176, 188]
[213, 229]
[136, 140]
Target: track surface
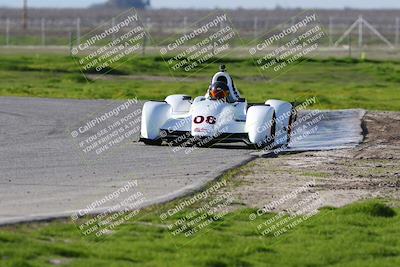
[44, 173]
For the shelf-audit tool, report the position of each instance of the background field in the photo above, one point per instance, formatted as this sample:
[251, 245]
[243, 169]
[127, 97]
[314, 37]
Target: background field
[337, 83]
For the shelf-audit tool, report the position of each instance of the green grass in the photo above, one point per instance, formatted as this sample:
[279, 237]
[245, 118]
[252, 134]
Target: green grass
[361, 234]
[337, 83]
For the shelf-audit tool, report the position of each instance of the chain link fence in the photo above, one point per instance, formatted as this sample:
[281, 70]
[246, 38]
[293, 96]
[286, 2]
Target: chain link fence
[67, 27]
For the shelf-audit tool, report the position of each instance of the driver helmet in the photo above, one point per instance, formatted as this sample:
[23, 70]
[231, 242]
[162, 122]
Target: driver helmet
[219, 90]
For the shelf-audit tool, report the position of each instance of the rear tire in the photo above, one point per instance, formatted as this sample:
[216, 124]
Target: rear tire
[292, 119]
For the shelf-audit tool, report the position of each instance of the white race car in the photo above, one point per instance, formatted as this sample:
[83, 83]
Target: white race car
[219, 116]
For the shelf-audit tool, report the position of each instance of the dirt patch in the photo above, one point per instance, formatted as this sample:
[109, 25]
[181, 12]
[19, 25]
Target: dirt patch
[339, 177]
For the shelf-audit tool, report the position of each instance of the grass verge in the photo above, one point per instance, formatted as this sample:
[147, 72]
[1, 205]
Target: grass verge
[361, 234]
[337, 83]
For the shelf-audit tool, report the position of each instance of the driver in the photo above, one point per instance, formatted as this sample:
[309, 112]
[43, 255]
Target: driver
[219, 91]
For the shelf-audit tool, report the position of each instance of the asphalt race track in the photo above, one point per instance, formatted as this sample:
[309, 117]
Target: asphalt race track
[45, 173]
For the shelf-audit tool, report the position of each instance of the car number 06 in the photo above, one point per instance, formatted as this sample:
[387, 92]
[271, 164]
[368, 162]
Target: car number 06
[209, 119]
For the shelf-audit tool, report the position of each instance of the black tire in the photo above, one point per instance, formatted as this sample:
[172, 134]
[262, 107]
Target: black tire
[289, 131]
[292, 119]
[149, 142]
